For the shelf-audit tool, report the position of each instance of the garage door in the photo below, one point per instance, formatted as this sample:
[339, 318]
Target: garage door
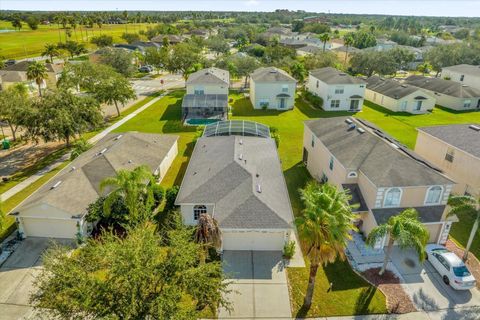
[254, 240]
[49, 228]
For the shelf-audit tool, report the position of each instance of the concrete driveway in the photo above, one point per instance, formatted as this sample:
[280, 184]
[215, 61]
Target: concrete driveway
[427, 290]
[259, 285]
[16, 278]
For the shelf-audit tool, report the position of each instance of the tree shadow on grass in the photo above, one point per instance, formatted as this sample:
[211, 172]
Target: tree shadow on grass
[302, 312]
[173, 119]
[243, 107]
[312, 112]
[363, 302]
[296, 177]
[342, 277]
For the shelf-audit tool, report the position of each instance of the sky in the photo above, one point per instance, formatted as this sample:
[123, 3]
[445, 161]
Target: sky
[394, 7]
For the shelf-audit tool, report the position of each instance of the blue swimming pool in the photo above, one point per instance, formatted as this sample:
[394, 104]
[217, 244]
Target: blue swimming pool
[200, 122]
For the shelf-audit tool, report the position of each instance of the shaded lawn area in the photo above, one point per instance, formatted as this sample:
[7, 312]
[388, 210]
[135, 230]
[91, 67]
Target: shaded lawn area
[460, 232]
[351, 294]
[402, 126]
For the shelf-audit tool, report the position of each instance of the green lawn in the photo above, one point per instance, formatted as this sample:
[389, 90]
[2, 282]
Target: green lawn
[460, 232]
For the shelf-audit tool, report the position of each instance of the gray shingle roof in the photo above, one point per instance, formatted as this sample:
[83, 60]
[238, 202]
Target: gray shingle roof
[333, 76]
[465, 69]
[461, 136]
[217, 175]
[80, 180]
[310, 49]
[23, 66]
[447, 87]
[426, 214]
[271, 74]
[383, 164]
[205, 101]
[391, 88]
[210, 76]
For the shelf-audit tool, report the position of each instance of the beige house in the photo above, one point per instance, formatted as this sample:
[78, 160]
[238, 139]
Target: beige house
[456, 150]
[398, 97]
[383, 177]
[58, 208]
[272, 88]
[235, 176]
[449, 94]
[463, 73]
[17, 73]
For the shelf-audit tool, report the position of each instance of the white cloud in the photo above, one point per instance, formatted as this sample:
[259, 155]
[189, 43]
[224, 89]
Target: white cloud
[252, 3]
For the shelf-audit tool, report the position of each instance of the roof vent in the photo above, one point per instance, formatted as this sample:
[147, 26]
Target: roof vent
[404, 85]
[342, 74]
[464, 85]
[361, 130]
[130, 161]
[241, 141]
[394, 145]
[103, 151]
[259, 188]
[349, 121]
[474, 127]
[56, 185]
[240, 156]
[72, 168]
[273, 71]
[118, 137]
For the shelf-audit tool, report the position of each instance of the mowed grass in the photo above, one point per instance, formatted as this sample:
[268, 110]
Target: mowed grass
[30, 43]
[460, 232]
[403, 126]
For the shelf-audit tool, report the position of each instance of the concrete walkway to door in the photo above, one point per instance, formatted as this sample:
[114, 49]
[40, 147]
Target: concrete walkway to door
[259, 285]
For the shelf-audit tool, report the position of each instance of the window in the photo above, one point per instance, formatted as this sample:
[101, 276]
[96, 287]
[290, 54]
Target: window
[374, 97]
[264, 103]
[450, 155]
[403, 106]
[392, 197]
[467, 103]
[443, 262]
[352, 174]
[285, 88]
[418, 105]
[335, 104]
[199, 90]
[339, 90]
[330, 165]
[198, 210]
[324, 178]
[434, 195]
[313, 141]
[462, 77]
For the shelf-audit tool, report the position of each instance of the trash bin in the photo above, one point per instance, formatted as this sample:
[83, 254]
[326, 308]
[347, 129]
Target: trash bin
[5, 144]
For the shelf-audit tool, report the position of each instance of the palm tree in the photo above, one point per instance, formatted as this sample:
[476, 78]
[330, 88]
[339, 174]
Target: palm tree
[348, 41]
[470, 206]
[324, 227]
[207, 234]
[38, 72]
[325, 37]
[134, 187]
[424, 68]
[50, 51]
[406, 230]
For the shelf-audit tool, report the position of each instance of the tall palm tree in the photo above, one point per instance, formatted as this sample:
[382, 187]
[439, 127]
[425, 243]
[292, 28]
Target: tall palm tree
[424, 68]
[207, 234]
[348, 41]
[406, 230]
[38, 72]
[134, 187]
[324, 227]
[50, 51]
[470, 206]
[324, 37]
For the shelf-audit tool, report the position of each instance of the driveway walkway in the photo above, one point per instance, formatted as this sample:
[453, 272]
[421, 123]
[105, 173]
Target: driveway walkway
[259, 285]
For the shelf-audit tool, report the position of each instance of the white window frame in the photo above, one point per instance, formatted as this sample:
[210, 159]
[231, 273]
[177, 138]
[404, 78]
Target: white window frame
[339, 90]
[198, 210]
[334, 102]
[199, 90]
[439, 197]
[404, 105]
[385, 205]
[352, 174]
[285, 88]
[467, 103]
[418, 105]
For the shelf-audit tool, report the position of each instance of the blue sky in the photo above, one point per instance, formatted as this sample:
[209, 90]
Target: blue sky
[406, 7]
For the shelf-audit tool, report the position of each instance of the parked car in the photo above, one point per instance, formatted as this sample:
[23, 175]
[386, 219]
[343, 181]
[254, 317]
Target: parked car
[145, 68]
[10, 62]
[451, 268]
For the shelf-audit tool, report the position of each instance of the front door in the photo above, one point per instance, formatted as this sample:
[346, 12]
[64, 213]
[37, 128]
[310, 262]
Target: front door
[282, 103]
[478, 104]
[418, 105]
[354, 105]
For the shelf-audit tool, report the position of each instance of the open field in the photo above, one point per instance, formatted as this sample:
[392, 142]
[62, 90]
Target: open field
[28, 43]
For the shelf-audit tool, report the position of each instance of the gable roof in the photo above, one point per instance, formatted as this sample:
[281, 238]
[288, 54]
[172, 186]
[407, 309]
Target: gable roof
[331, 75]
[393, 88]
[217, 175]
[461, 136]
[76, 186]
[442, 86]
[22, 66]
[384, 161]
[271, 74]
[210, 76]
[466, 69]
[310, 49]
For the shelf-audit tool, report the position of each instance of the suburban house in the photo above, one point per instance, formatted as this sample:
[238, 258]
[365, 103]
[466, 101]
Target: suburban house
[295, 43]
[456, 150]
[58, 208]
[235, 176]
[17, 73]
[398, 97]
[384, 45]
[339, 91]
[207, 94]
[171, 38]
[449, 94]
[278, 32]
[383, 177]
[308, 50]
[463, 73]
[272, 88]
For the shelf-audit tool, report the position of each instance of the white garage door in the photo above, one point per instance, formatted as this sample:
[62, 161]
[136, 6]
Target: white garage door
[49, 228]
[253, 240]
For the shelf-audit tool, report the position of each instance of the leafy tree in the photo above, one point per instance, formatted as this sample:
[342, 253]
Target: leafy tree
[73, 48]
[157, 57]
[32, 22]
[38, 72]
[368, 63]
[130, 37]
[324, 226]
[50, 50]
[134, 187]
[363, 39]
[218, 44]
[79, 147]
[14, 105]
[402, 57]
[453, 54]
[182, 58]
[208, 235]
[244, 66]
[170, 196]
[324, 37]
[16, 23]
[318, 28]
[256, 50]
[276, 52]
[320, 60]
[102, 41]
[424, 68]
[120, 60]
[299, 71]
[406, 230]
[117, 216]
[135, 276]
[469, 206]
[115, 89]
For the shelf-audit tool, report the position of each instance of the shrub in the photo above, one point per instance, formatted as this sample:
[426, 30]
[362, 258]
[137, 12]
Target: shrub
[170, 196]
[79, 147]
[275, 136]
[289, 249]
[313, 99]
[158, 194]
